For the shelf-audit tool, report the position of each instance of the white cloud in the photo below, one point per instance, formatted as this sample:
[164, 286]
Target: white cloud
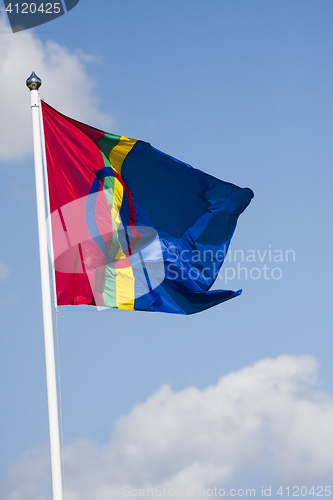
[268, 422]
[66, 86]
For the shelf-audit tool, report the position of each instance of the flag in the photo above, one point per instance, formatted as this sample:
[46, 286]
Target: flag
[134, 228]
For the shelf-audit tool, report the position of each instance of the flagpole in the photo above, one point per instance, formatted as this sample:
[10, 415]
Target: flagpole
[33, 83]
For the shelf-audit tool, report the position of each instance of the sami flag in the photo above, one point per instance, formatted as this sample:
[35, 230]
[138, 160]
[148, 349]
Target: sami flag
[134, 228]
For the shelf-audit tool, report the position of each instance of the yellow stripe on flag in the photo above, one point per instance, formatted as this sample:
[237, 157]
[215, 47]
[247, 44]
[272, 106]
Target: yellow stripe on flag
[118, 193]
[125, 288]
[125, 281]
[120, 151]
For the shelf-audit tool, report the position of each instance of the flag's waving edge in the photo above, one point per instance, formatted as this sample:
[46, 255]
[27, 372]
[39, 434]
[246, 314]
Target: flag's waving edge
[132, 227]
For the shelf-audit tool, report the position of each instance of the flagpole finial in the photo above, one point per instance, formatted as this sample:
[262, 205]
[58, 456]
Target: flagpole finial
[33, 82]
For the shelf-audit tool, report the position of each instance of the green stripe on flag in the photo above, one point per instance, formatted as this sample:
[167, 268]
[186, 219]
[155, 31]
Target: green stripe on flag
[108, 142]
[110, 289]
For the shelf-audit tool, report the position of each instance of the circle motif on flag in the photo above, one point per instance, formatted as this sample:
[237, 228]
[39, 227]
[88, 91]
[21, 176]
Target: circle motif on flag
[118, 202]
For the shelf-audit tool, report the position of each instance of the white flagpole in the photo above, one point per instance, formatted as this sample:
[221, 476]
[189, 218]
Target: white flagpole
[33, 83]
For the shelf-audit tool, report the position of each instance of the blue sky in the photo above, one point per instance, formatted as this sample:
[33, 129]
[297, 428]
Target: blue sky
[242, 90]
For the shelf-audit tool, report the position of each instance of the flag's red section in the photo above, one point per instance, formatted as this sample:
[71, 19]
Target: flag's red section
[72, 158]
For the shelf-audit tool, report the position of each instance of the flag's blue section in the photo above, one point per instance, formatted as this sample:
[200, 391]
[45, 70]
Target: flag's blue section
[194, 215]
